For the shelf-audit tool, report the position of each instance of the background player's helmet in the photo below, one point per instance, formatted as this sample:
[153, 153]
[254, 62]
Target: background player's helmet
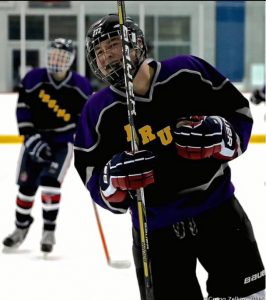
[60, 56]
[107, 28]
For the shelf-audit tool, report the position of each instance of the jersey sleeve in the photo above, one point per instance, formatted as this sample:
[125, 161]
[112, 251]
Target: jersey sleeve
[90, 157]
[222, 99]
[235, 109]
[32, 80]
[23, 113]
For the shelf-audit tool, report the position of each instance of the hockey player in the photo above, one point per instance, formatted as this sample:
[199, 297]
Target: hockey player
[190, 122]
[49, 106]
[258, 96]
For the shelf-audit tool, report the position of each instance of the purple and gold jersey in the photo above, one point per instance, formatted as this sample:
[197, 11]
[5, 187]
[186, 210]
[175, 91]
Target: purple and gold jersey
[182, 86]
[51, 108]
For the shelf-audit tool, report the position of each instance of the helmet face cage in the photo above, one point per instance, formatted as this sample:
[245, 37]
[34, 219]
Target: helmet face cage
[59, 60]
[114, 72]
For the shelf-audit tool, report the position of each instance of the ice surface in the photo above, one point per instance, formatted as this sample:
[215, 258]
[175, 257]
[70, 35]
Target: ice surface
[77, 268]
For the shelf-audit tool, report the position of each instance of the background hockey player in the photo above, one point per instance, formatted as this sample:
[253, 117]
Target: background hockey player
[258, 96]
[190, 121]
[49, 106]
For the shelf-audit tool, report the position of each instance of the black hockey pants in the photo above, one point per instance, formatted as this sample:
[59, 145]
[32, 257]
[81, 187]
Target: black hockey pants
[222, 240]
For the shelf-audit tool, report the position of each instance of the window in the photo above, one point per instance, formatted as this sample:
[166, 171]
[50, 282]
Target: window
[32, 61]
[149, 35]
[63, 27]
[174, 29]
[173, 37]
[34, 27]
[14, 27]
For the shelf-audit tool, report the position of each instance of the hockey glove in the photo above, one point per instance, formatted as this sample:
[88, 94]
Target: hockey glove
[38, 149]
[126, 171]
[257, 96]
[198, 137]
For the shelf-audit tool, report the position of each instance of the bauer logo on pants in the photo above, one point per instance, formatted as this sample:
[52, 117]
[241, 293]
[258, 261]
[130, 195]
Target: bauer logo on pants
[254, 277]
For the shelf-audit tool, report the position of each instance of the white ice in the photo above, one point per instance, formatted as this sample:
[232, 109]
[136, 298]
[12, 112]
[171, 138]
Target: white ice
[77, 267]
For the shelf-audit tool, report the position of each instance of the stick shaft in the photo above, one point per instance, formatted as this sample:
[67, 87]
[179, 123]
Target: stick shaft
[127, 64]
[101, 232]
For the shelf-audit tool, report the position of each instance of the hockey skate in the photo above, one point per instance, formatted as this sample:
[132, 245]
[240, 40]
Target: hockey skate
[16, 238]
[48, 240]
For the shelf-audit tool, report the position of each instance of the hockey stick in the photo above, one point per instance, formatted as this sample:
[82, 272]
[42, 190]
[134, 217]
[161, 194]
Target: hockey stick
[127, 64]
[117, 264]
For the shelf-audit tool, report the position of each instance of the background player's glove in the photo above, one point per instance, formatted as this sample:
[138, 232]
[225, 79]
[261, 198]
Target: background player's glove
[126, 171]
[198, 137]
[257, 96]
[38, 149]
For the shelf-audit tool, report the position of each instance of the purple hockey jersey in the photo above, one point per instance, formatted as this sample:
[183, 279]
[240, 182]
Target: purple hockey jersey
[51, 108]
[182, 86]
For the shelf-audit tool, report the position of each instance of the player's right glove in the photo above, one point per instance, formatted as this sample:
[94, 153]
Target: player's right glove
[126, 171]
[38, 149]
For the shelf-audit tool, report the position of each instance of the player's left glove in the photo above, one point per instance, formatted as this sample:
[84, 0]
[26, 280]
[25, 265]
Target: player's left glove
[198, 137]
[38, 149]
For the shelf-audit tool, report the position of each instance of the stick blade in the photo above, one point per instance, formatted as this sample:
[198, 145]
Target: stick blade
[119, 264]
